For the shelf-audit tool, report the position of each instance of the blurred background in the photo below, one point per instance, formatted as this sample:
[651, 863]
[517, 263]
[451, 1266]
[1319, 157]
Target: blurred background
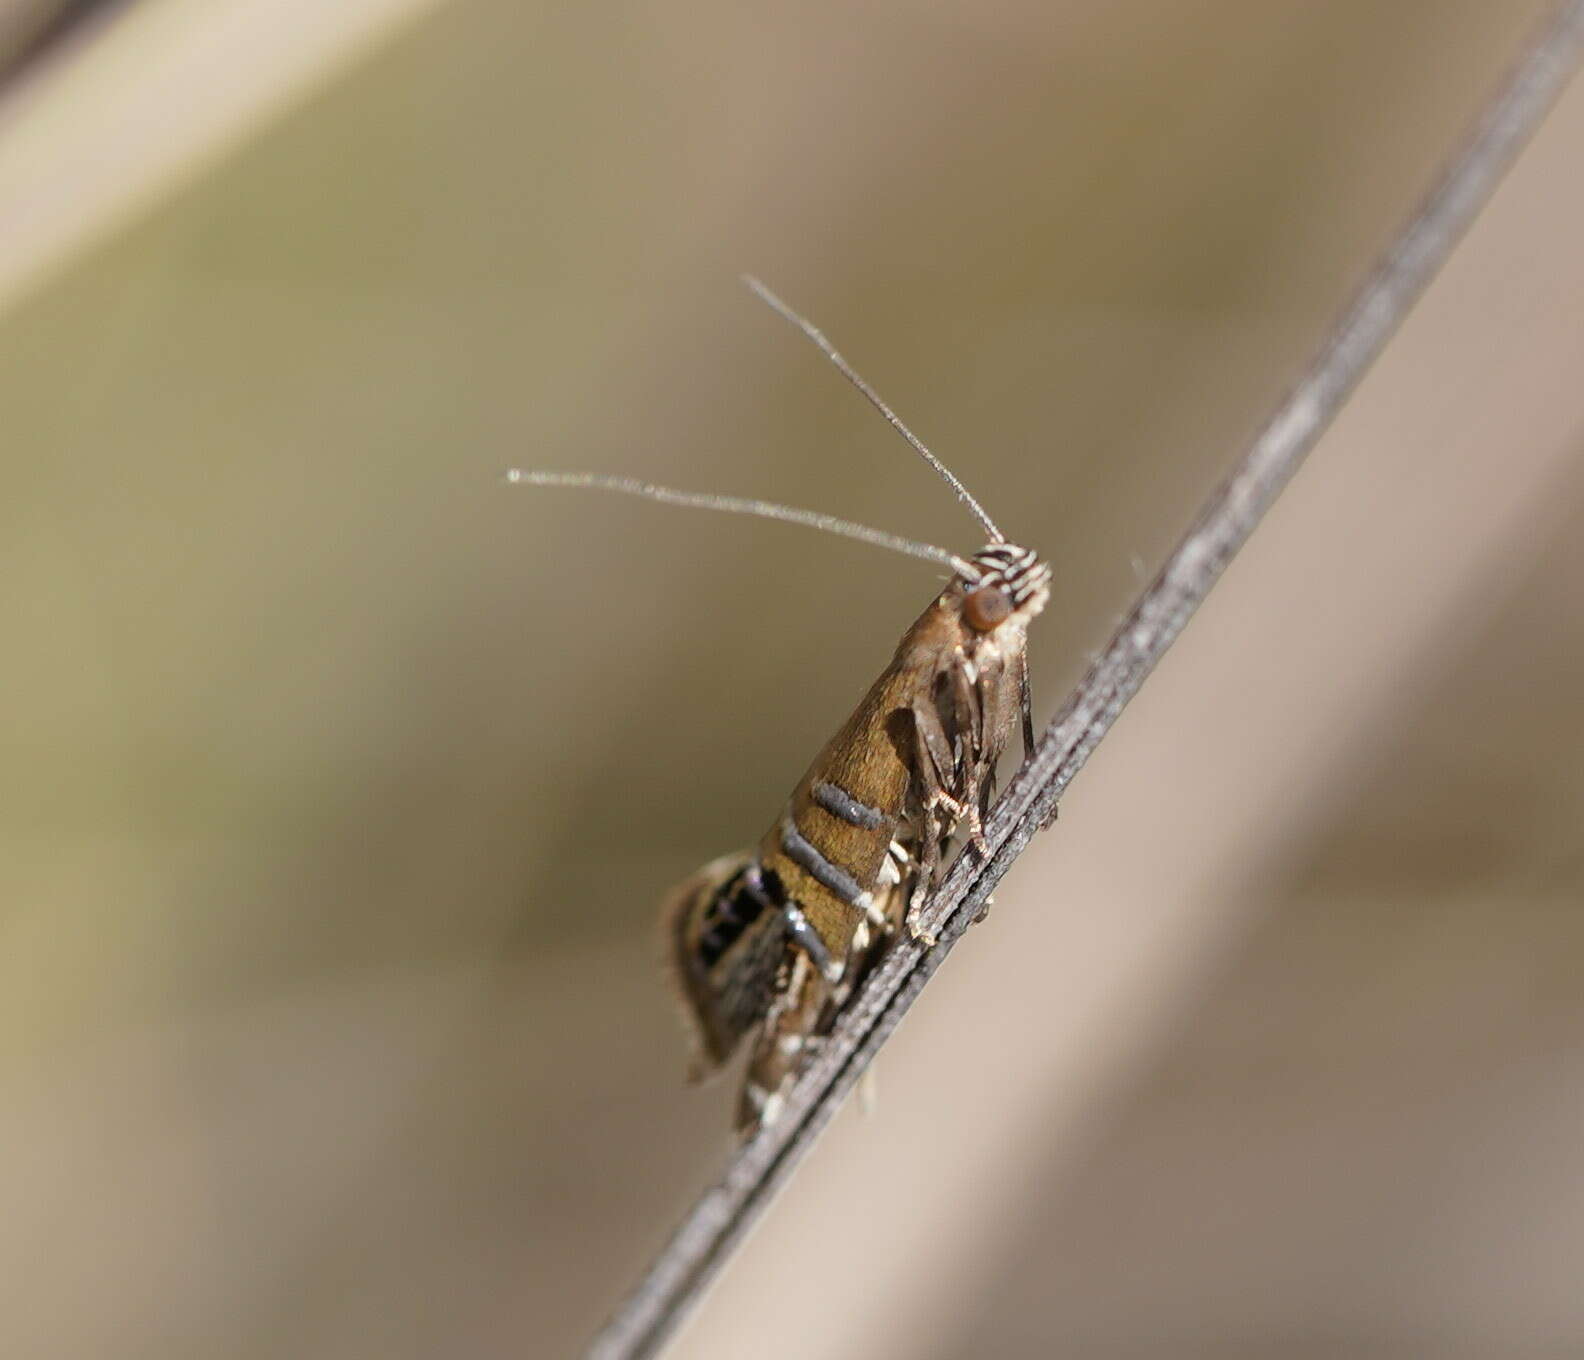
[340, 781]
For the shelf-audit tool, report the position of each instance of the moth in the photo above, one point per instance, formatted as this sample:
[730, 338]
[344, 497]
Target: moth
[767, 944]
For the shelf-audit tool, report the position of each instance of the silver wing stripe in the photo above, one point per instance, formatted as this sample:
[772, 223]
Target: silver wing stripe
[839, 803]
[820, 869]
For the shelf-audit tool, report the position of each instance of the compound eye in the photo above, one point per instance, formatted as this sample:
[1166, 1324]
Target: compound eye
[987, 608]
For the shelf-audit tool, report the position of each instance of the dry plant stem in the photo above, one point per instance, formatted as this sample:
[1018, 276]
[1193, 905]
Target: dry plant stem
[721, 1218]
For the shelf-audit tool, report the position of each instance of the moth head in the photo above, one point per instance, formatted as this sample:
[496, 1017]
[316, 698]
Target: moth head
[1005, 584]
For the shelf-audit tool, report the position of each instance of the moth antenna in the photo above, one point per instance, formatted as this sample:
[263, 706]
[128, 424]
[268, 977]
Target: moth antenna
[856, 379]
[738, 505]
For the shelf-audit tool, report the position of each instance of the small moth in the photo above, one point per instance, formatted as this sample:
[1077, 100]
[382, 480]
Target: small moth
[770, 942]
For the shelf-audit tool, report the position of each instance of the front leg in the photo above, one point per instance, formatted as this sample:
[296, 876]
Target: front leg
[970, 719]
[939, 811]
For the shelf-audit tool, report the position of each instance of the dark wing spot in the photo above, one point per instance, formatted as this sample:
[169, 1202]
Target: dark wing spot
[736, 905]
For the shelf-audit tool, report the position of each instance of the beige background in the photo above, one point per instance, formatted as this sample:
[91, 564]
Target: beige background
[340, 780]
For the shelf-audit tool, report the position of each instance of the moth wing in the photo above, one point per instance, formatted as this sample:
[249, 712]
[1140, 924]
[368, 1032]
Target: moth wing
[804, 1007]
[778, 1052]
[725, 949]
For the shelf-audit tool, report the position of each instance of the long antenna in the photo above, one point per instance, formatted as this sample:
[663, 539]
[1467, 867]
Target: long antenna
[855, 378]
[737, 505]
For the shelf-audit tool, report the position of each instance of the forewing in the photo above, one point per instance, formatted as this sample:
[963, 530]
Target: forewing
[726, 946]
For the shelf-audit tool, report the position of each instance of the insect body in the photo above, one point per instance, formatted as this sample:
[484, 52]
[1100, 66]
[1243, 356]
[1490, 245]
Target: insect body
[776, 938]
[770, 942]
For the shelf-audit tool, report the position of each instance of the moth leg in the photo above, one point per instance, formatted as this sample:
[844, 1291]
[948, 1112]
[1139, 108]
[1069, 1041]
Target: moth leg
[940, 812]
[1025, 696]
[932, 749]
[932, 757]
[929, 865]
[976, 835]
[789, 1033]
[970, 720]
[968, 714]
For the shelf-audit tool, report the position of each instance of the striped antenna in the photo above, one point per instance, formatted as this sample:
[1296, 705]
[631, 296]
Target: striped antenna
[855, 378]
[737, 505]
